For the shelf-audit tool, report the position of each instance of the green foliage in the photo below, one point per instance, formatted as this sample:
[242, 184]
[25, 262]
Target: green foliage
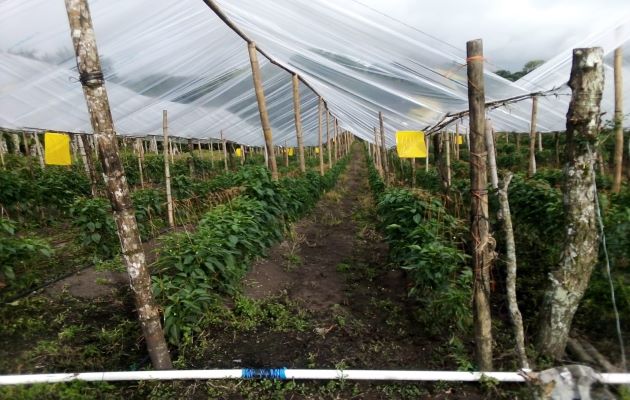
[149, 208]
[97, 230]
[15, 249]
[214, 258]
[49, 191]
[427, 242]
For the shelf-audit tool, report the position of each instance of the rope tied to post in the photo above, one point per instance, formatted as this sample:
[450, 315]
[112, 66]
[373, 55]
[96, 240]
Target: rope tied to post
[91, 79]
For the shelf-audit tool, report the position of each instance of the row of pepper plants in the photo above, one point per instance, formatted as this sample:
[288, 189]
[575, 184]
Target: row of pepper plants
[194, 268]
[428, 243]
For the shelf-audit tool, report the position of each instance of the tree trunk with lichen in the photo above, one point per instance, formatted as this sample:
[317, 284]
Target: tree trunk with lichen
[89, 68]
[88, 160]
[581, 240]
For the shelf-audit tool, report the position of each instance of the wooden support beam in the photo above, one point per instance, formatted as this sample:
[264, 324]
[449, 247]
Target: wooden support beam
[298, 121]
[618, 120]
[38, 149]
[492, 159]
[532, 138]
[320, 108]
[167, 170]
[384, 148]
[482, 249]
[140, 147]
[91, 77]
[262, 109]
[225, 155]
[88, 161]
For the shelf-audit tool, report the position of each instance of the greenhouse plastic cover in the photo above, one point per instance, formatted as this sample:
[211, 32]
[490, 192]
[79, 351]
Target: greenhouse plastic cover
[176, 55]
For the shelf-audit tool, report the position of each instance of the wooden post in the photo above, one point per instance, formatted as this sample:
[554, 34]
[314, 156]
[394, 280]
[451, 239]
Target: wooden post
[154, 146]
[556, 137]
[618, 119]
[377, 152]
[167, 171]
[532, 138]
[540, 145]
[88, 162]
[492, 160]
[328, 139]
[457, 141]
[27, 148]
[482, 249]
[335, 139]
[384, 148]
[38, 149]
[413, 172]
[140, 147]
[191, 159]
[298, 121]
[321, 149]
[568, 282]
[447, 137]
[518, 143]
[286, 154]
[211, 148]
[2, 144]
[89, 68]
[427, 141]
[225, 155]
[262, 108]
[510, 255]
[15, 138]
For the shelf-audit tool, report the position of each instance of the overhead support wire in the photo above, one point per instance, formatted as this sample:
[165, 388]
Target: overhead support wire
[450, 118]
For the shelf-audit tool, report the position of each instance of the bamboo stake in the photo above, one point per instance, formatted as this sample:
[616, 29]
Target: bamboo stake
[413, 172]
[457, 141]
[492, 160]
[298, 121]
[328, 139]
[82, 33]
[540, 145]
[510, 253]
[321, 149]
[140, 147]
[286, 154]
[167, 171]
[447, 137]
[86, 165]
[384, 148]
[427, 140]
[262, 108]
[618, 118]
[38, 150]
[89, 155]
[225, 155]
[27, 148]
[2, 144]
[532, 138]
[191, 159]
[211, 147]
[335, 139]
[482, 248]
[377, 152]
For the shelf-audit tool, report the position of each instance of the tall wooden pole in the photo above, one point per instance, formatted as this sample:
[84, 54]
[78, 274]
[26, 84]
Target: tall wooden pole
[262, 109]
[320, 108]
[27, 148]
[140, 147]
[377, 152]
[492, 159]
[568, 282]
[298, 121]
[618, 120]
[39, 150]
[88, 160]
[427, 140]
[167, 170]
[413, 172]
[532, 138]
[457, 137]
[447, 137]
[482, 252]
[225, 155]
[91, 75]
[383, 148]
[336, 139]
[328, 139]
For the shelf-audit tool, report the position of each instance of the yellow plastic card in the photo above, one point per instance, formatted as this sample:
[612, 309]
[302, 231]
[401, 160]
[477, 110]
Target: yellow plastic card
[460, 139]
[57, 149]
[238, 152]
[316, 150]
[290, 151]
[410, 144]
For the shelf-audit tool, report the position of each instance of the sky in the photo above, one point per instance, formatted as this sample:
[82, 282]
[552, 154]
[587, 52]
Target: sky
[514, 32]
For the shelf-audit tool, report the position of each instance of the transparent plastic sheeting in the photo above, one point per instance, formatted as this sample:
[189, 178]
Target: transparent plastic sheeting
[178, 56]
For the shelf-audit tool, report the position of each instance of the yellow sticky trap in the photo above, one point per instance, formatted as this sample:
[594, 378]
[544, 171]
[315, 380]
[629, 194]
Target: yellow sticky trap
[238, 152]
[460, 139]
[57, 149]
[410, 144]
[290, 151]
[316, 150]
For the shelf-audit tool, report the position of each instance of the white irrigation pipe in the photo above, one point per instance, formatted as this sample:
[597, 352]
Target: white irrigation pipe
[289, 374]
